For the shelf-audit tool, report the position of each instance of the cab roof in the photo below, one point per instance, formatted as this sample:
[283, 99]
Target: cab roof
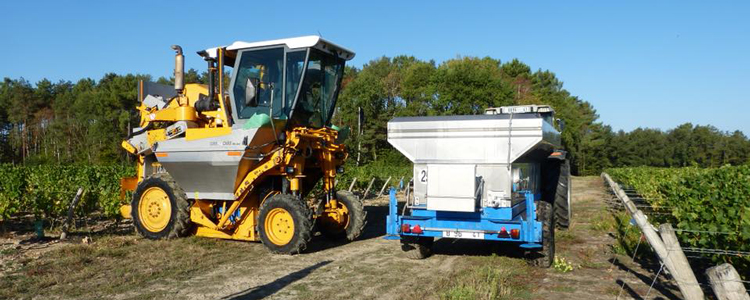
[310, 41]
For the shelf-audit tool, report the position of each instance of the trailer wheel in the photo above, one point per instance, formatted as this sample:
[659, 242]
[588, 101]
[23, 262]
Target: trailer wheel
[284, 224]
[562, 197]
[417, 247]
[160, 208]
[345, 221]
[543, 257]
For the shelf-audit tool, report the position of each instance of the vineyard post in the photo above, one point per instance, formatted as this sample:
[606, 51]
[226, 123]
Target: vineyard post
[726, 283]
[655, 241]
[685, 276]
[364, 196]
[351, 186]
[629, 206]
[71, 209]
[384, 185]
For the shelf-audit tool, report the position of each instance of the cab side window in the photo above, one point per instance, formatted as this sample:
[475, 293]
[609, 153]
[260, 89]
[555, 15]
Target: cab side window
[259, 77]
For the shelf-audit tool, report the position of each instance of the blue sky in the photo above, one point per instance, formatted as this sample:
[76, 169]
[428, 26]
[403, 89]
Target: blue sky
[641, 64]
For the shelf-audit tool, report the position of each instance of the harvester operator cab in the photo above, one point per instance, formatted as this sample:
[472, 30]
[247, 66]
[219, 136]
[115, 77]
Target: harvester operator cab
[295, 81]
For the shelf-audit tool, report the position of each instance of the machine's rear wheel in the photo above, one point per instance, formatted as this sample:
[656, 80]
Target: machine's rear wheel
[347, 220]
[546, 255]
[285, 224]
[160, 208]
[417, 247]
[562, 197]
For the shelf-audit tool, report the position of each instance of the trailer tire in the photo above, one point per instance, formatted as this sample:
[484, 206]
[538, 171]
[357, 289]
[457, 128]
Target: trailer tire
[149, 198]
[562, 197]
[545, 256]
[417, 247]
[356, 222]
[280, 213]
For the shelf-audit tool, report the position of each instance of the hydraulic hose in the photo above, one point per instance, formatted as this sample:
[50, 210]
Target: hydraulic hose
[144, 129]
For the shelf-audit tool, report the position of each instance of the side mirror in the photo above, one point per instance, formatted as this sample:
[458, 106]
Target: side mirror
[251, 92]
[561, 124]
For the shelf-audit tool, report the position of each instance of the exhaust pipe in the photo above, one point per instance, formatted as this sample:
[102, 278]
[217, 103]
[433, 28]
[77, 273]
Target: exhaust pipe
[179, 69]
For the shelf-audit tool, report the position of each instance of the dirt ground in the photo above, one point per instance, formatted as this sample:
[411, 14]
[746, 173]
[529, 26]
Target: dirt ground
[116, 264]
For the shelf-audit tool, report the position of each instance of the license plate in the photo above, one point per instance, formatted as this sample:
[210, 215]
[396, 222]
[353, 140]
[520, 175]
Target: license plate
[464, 235]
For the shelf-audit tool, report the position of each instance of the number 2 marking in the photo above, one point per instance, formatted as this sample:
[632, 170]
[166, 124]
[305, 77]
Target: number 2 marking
[423, 176]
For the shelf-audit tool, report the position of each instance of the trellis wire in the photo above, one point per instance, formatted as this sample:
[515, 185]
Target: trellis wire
[622, 287]
[654, 281]
[706, 231]
[715, 251]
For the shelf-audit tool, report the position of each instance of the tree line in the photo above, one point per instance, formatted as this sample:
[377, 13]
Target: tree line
[84, 122]
[683, 146]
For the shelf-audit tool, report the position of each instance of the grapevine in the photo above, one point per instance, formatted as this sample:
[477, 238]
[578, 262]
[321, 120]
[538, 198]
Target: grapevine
[46, 190]
[710, 208]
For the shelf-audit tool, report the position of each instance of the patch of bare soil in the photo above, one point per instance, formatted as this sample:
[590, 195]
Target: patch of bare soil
[20, 244]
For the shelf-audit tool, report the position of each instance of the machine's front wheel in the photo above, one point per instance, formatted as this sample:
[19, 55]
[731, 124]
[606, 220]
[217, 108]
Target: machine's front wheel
[346, 220]
[160, 208]
[546, 255]
[285, 224]
[415, 247]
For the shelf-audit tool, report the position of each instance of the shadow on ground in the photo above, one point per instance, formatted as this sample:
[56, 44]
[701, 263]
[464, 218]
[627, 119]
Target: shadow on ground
[374, 228]
[663, 287]
[634, 294]
[260, 292]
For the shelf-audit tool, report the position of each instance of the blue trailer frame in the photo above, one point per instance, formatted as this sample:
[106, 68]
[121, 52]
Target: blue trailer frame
[496, 223]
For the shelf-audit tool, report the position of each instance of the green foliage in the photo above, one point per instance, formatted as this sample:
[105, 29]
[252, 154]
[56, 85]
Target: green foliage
[628, 237]
[46, 190]
[392, 164]
[65, 122]
[714, 200]
[11, 189]
[648, 181]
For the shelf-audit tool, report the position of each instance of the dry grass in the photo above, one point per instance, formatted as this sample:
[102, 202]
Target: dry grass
[492, 277]
[116, 264]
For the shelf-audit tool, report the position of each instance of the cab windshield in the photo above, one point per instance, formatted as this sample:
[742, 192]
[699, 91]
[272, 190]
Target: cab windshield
[319, 89]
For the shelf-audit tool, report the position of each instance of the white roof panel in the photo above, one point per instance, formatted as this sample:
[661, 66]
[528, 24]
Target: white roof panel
[310, 41]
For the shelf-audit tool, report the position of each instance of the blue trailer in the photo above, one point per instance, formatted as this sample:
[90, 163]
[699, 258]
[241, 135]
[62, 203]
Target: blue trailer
[496, 177]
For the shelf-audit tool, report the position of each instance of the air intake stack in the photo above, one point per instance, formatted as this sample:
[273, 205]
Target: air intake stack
[179, 69]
